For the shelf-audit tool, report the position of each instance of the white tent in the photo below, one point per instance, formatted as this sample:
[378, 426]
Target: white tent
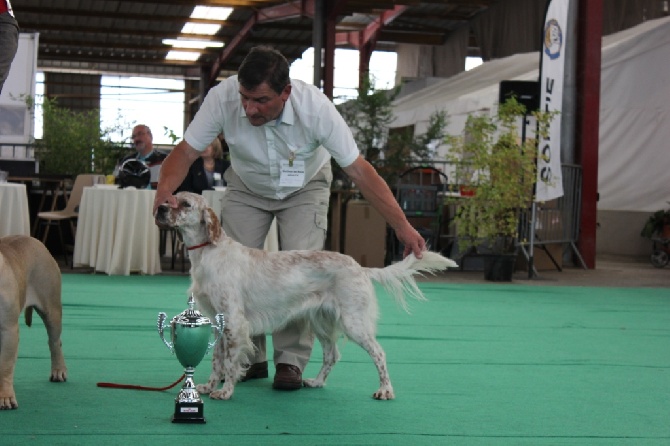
[634, 154]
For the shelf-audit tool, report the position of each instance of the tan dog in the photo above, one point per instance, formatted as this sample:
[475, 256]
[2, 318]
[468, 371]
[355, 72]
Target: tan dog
[29, 278]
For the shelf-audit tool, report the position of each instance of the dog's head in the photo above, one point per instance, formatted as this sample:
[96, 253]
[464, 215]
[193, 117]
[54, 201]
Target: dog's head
[195, 221]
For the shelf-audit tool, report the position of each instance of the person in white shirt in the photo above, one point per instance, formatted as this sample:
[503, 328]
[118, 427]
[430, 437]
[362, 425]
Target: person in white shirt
[281, 135]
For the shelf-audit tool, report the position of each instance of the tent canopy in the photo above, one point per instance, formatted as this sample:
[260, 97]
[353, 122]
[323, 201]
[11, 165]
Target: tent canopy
[634, 146]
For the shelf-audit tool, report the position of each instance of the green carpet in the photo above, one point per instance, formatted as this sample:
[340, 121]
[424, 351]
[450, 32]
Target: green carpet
[477, 364]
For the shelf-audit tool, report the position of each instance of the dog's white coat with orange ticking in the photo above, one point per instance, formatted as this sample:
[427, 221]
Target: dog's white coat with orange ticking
[259, 291]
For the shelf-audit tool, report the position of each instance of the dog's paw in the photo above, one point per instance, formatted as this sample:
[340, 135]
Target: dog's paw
[8, 402]
[224, 393]
[58, 375]
[313, 382]
[384, 394]
[204, 388]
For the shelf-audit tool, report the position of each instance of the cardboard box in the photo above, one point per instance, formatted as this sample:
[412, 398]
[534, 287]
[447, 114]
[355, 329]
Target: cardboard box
[541, 260]
[365, 234]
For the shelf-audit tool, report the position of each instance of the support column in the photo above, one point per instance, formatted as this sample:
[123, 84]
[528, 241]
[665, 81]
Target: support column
[589, 29]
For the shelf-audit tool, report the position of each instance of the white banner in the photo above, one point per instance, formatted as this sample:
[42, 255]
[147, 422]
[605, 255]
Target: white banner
[549, 179]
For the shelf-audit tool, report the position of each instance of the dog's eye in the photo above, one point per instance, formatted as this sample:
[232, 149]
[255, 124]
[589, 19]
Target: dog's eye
[186, 204]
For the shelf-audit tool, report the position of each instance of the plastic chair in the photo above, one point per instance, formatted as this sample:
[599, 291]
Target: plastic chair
[418, 193]
[70, 212]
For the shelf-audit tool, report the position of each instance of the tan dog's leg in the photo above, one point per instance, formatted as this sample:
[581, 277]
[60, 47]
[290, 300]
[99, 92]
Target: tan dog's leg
[9, 349]
[44, 289]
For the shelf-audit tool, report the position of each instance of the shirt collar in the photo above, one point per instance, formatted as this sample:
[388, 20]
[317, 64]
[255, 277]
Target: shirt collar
[287, 115]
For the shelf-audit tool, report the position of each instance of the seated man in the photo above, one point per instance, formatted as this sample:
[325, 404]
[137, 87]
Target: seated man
[143, 142]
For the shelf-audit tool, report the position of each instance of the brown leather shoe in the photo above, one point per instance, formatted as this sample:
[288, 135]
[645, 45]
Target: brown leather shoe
[256, 371]
[287, 377]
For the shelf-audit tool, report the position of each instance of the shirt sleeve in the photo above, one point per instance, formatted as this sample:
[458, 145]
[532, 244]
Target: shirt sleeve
[338, 139]
[209, 120]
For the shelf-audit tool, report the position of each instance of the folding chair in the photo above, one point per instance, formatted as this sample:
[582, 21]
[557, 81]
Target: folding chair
[69, 214]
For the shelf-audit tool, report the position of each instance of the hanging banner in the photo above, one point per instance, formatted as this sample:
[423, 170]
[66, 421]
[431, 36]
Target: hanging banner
[549, 179]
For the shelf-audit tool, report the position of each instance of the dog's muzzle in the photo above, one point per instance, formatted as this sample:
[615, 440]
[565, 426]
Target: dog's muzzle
[162, 214]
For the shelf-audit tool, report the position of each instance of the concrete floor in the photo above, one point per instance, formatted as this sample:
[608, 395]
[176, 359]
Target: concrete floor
[610, 271]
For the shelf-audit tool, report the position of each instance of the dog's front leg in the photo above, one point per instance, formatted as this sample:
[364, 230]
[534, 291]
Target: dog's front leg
[9, 350]
[231, 368]
[217, 370]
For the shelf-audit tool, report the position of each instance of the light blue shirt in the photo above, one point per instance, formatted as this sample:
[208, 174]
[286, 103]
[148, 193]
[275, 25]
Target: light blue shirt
[310, 127]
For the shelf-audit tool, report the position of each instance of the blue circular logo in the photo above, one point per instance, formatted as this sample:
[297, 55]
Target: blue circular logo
[553, 39]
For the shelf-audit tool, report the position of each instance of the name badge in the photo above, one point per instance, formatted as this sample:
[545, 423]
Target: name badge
[292, 173]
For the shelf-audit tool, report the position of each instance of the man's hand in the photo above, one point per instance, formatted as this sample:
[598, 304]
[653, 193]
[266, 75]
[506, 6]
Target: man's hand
[412, 240]
[173, 171]
[164, 197]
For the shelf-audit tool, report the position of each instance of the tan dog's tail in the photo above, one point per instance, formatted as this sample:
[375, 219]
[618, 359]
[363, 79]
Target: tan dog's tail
[28, 313]
[398, 279]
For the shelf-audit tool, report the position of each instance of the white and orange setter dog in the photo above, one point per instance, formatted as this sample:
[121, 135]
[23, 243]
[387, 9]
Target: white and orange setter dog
[259, 291]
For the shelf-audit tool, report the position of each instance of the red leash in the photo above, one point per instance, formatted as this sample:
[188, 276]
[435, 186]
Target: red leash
[134, 387]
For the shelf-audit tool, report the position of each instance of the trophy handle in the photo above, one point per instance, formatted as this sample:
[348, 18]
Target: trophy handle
[161, 327]
[218, 328]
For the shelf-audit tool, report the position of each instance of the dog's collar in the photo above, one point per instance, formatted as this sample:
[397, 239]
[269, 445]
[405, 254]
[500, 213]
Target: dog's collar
[190, 248]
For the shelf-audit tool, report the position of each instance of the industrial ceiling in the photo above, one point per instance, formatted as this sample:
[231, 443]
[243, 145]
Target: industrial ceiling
[108, 36]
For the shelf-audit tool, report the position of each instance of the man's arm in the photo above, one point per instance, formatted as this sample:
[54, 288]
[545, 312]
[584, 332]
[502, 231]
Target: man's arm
[173, 171]
[377, 192]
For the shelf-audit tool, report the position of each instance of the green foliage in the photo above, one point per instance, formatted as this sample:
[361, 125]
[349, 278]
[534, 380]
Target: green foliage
[653, 227]
[73, 142]
[370, 115]
[491, 159]
[170, 134]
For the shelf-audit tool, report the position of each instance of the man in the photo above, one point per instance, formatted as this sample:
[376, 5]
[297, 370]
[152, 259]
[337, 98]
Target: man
[281, 135]
[9, 39]
[144, 146]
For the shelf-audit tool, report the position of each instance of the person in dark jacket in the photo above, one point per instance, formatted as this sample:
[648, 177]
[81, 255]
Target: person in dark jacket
[207, 171]
[9, 39]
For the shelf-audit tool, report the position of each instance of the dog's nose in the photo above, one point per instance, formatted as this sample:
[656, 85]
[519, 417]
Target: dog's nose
[162, 210]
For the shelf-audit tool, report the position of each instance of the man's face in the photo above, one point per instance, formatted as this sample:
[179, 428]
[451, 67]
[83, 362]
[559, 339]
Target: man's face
[263, 104]
[142, 140]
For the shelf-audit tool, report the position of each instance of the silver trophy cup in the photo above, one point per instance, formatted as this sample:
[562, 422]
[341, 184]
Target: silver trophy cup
[189, 339]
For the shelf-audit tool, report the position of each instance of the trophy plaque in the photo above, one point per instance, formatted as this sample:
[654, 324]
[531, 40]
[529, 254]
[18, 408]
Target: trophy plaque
[189, 339]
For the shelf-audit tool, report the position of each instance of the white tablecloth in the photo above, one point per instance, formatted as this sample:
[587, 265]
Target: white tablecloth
[215, 200]
[116, 232]
[14, 215]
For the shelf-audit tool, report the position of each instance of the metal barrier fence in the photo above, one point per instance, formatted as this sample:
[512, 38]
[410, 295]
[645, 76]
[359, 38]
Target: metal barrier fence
[556, 221]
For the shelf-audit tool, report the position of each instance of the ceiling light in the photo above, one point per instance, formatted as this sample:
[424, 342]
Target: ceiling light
[182, 55]
[192, 43]
[200, 12]
[200, 28]
[211, 12]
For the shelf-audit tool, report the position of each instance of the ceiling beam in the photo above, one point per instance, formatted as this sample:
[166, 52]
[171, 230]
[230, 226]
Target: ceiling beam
[112, 15]
[230, 48]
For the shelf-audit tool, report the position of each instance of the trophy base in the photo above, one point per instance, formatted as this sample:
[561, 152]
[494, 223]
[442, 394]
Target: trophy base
[188, 413]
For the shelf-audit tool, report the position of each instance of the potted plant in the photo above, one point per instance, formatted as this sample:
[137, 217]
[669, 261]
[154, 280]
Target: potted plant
[390, 151]
[657, 229]
[73, 142]
[498, 169]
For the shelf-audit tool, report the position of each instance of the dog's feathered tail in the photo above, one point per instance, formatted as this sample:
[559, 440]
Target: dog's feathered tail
[398, 279]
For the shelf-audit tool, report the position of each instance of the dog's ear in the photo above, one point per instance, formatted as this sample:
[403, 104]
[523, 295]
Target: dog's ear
[213, 225]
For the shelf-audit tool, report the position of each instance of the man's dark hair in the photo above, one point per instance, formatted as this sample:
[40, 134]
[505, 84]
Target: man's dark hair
[264, 64]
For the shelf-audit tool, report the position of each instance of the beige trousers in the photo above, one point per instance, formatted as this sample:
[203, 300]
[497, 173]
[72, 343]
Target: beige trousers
[302, 221]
